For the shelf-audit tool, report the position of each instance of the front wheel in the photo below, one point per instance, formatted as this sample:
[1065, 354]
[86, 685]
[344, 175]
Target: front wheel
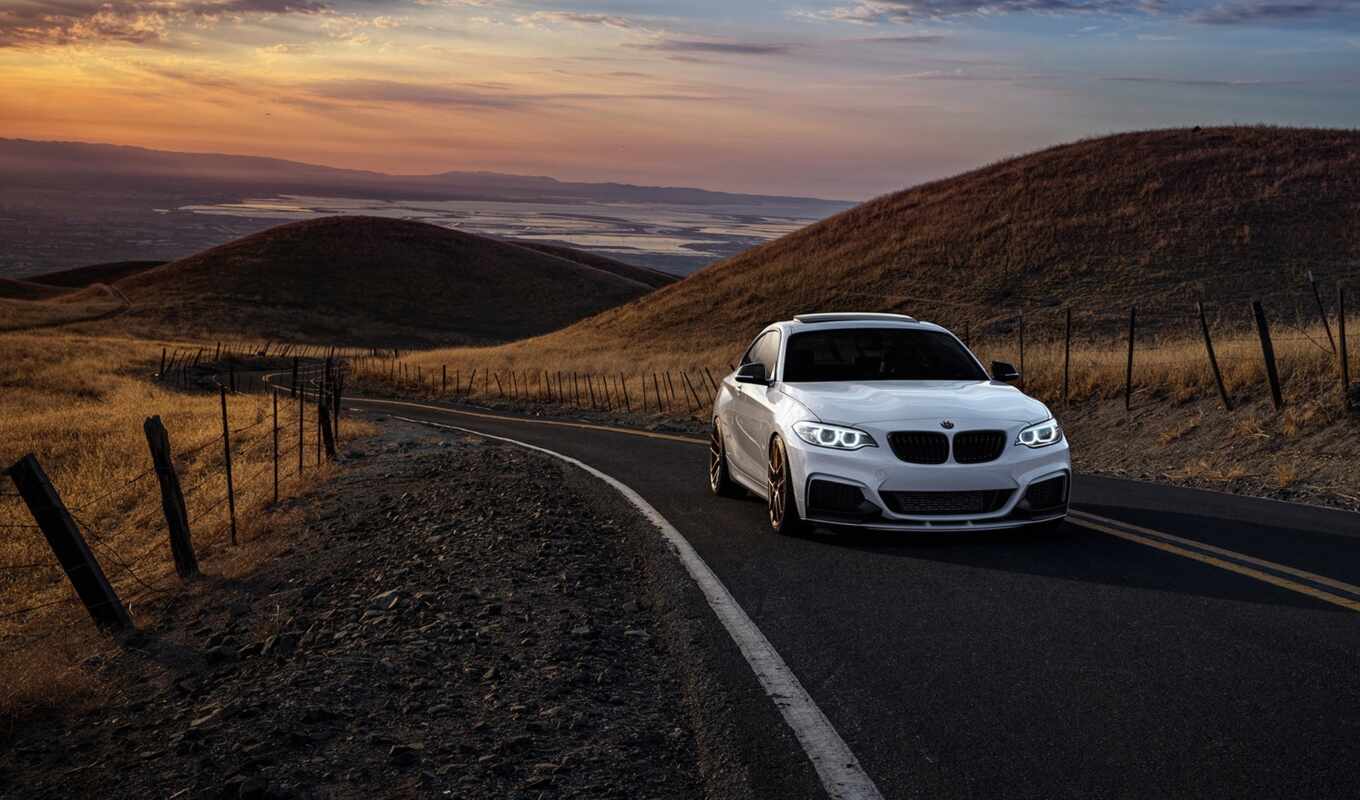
[719, 478]
[783, 506]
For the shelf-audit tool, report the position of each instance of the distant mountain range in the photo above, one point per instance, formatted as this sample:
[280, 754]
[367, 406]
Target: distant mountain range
[104, 168]
[71, 204]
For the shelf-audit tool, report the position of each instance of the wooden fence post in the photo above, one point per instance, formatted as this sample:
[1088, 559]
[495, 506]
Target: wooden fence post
[275, 394]
[1322, 311]
[670, 389]
[302, 447]
[1128, 371]
[443, 379]
[1213, 360]
[1022, 351]
[68, 545]
[293, 388]
[226, 450]
[1268, 353]
[172, 499]
[698, 403]
[656, 389]
[160, 373]
[1067, 353]
[337, 399]
[1342, 353]
[623, 387]
[324, 421]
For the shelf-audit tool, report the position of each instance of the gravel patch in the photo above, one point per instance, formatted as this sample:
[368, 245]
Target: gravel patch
[460, 618]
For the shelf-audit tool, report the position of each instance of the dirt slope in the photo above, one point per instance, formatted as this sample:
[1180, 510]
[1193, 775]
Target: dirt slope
[368, 280]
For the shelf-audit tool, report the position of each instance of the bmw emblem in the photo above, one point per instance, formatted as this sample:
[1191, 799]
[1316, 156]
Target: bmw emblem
[947, 424]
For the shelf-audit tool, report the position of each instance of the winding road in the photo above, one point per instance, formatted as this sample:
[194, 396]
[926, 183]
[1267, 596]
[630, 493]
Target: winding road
[1164, 643]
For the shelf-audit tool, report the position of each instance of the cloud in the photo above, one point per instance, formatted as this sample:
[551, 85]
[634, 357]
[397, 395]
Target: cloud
[1264, 11]
[381, 91]
[1206, 82]
[724, 48]
[915, 38]
[540, 19]
[967, 75]
[874, 12]
[467, 96]
[48, 23]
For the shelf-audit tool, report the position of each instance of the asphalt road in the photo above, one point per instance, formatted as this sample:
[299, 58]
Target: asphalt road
[1082, 664]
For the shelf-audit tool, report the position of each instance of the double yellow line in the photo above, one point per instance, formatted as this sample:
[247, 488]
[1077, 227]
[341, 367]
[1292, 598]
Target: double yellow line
[1318, 587]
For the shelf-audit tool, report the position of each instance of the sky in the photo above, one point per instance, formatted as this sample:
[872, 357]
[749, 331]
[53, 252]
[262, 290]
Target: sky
[842, 99]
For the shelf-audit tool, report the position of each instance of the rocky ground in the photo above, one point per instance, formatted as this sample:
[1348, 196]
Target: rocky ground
[459, 619]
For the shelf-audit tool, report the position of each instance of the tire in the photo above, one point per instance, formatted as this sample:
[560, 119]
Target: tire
[719, 478]
[779, 496]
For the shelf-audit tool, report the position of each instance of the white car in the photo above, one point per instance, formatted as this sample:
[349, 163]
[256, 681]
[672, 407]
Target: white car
[884, 422]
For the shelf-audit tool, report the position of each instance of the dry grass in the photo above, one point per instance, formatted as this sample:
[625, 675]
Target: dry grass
[61, 308]
[78, 404]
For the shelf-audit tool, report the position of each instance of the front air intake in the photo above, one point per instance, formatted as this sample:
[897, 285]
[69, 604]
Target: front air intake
[925, 504]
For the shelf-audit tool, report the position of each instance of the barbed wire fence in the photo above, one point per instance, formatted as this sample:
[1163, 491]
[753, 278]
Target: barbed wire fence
[123, 529]
[1064, 354]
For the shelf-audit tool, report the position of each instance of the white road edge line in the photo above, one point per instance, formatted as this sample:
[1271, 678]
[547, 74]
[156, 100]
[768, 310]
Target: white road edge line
[840, 772]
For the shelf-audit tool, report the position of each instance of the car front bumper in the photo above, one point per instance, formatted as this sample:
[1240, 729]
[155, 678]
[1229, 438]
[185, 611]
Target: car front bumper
[878, 473]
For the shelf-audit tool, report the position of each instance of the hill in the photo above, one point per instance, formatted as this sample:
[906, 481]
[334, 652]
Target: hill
[1151, 218]
[25, 306]
[652, 277]
[369, 280]
[80, 277]
[105, 169]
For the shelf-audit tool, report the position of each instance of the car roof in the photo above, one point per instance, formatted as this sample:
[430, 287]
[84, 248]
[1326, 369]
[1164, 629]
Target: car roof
[852, 319]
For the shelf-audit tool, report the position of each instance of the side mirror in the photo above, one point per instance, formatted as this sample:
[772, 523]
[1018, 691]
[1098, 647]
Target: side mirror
[1001, 371]
[753, 373]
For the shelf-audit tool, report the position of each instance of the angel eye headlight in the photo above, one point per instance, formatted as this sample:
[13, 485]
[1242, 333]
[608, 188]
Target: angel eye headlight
[1041, 434]
[833, 436]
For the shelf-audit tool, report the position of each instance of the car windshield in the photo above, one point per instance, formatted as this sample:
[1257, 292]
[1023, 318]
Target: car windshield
[878, 354]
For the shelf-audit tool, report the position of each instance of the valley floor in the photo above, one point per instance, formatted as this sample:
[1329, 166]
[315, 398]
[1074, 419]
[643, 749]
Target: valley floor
[459, 618]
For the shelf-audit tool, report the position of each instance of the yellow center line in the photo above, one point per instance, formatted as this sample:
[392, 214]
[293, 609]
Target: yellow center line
[1273, 580]
[1298, 573]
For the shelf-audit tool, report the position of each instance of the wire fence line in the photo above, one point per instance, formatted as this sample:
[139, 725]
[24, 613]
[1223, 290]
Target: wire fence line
[113, 534]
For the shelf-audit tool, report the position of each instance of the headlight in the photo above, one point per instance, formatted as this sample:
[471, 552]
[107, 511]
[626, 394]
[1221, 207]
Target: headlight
[833, 436]
[1042, 434]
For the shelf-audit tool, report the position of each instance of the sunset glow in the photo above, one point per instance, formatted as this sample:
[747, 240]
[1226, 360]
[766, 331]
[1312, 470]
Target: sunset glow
[833, 98]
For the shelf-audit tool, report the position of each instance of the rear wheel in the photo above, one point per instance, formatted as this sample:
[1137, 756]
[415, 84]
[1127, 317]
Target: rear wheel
[783, 506]
[719, 479]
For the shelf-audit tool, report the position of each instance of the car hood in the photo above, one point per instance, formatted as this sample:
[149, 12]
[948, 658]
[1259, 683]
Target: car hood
[849, 403]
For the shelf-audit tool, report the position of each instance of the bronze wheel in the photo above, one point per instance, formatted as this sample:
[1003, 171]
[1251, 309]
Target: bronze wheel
[719, 479]
[783, 507]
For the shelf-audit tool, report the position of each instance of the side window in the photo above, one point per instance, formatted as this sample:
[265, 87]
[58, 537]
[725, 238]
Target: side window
[766, 351]
[751, 354]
